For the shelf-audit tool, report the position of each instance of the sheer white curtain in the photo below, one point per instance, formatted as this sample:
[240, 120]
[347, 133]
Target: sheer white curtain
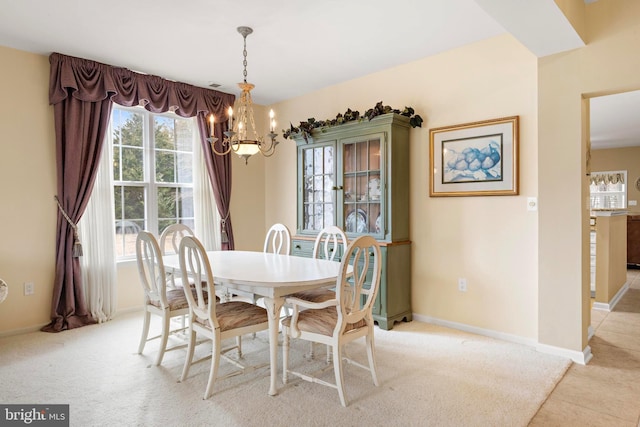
[96, 229]
[98, 263]
[207, 218]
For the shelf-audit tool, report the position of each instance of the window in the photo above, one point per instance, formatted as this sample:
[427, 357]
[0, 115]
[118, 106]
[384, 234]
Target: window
[152, 173]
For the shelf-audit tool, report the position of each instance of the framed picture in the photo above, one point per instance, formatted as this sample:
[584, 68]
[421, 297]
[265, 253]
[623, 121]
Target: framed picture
[474, 159]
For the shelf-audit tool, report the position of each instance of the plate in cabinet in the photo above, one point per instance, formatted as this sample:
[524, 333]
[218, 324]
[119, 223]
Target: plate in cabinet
[356, 222]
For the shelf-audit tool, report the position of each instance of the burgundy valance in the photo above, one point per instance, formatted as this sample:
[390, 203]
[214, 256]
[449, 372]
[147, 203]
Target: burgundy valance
[93, 81]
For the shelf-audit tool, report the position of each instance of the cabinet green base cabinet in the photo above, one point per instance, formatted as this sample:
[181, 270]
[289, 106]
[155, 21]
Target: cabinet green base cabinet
[393, 303]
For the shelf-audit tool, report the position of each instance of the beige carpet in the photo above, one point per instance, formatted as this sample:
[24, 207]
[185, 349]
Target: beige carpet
[429, 376]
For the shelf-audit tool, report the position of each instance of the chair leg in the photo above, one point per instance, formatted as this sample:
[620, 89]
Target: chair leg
[145, 331]
[311, 354]
[371, 357]
[337, 368]
[328, 354]
[189, 358]
[215, 363]
[254, 301]
[164, 337]
[239, 345]
[285, 354]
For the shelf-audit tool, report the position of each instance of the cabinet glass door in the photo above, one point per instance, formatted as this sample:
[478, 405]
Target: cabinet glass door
[318, 180]
[362, 186]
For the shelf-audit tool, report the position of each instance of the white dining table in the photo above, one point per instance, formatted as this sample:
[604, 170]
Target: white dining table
[271, 276]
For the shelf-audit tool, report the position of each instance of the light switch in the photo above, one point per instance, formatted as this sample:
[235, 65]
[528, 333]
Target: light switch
[633, 203]
[532, 203]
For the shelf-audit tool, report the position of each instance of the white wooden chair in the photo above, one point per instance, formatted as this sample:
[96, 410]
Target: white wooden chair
[170, 244]
[278, 240]
[328, 240]
[326, 246]
[166, 303]
[215, 321]
[339, 321]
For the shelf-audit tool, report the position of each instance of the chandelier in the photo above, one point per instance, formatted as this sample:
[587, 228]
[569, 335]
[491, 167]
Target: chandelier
[242, 137]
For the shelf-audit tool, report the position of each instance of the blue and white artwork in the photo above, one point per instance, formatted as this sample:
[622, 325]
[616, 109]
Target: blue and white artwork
[477, 159]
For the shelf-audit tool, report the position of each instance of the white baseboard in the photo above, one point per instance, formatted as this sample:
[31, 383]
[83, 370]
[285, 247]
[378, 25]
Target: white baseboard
[129, 310]
[475, 330]
[581, 358]
[37, 328]
[614, 301]
[22, 330]
[578, 357]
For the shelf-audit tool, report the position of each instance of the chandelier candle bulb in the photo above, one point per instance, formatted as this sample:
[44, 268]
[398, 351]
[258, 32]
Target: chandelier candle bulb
[212, 119]
[272, 122]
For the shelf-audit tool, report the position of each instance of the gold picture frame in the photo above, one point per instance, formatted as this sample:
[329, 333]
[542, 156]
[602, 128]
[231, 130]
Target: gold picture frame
[475, 159]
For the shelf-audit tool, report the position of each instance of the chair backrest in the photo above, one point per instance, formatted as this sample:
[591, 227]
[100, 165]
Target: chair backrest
[357, 292]
[278, 240]
[151, 268]
[195, 263]
[171, 237]
[328, 241]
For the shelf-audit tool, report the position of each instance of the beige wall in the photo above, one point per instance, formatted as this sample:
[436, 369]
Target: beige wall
[608, 64]
[611, 256]
[614, 159]
[491, 241]
[28, 182]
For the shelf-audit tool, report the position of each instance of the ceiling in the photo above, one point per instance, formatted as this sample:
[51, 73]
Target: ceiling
[297, 46]
[615, 120]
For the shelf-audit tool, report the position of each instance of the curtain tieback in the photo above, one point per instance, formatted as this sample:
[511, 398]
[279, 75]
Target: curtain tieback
[223, 229]
[77, 246]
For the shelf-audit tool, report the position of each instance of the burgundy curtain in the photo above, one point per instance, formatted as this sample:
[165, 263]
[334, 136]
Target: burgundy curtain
[219, 168]
[82, 93]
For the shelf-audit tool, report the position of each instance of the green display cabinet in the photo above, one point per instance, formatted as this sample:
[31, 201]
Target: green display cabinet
[356, 176]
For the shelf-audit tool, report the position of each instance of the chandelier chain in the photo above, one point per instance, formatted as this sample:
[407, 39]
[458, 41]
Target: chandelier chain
[244, 53]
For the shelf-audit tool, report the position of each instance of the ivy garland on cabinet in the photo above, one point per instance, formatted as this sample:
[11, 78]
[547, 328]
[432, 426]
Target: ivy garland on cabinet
[305, 128]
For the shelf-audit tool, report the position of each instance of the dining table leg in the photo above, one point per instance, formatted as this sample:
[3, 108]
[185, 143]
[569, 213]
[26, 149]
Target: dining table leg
[273, 307]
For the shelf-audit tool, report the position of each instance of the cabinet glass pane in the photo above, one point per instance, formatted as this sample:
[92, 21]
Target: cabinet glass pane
[308, 163]
[374, 154]
[362, 187]
[349, 157]
[318, 187]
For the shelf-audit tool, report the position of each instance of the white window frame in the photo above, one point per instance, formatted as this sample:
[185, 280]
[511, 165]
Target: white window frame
[149, 184]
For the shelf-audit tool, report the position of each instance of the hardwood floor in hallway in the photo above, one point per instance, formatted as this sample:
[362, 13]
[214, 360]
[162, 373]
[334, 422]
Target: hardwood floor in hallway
[605, 392]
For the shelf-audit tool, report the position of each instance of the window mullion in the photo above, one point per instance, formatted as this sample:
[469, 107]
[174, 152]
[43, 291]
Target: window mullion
[150, 179]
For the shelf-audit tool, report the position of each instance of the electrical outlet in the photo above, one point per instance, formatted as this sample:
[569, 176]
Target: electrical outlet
[29, 288]
[462, 284]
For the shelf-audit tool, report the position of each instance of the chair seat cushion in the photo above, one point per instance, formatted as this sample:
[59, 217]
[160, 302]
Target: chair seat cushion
[322, 321]
[237, 314]
[315, 295]
[177, 300]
